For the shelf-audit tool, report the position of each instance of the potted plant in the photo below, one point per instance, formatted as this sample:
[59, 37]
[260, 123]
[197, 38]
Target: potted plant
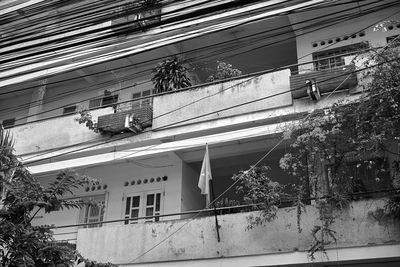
[170, 74]
[224, 71]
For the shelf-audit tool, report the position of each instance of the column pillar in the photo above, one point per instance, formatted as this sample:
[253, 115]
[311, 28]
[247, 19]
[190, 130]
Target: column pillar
[36, 105]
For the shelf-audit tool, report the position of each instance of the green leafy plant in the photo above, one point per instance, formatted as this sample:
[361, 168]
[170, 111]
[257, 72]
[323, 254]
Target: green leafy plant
[362, 131]
[328, 143]
[259, 189]
[392, 206]
[86, 118]
[170, 74]
[23, 244]
[224, 71]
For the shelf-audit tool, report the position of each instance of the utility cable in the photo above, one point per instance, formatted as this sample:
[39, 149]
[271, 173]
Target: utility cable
[15, 108]
[188, 51]
[112, 140]
[252, 167]
[194, 50]
[199, 116]
[164, 41]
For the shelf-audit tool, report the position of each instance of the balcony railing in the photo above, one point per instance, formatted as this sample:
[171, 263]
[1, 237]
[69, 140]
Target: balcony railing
[244, 95]
[53, 133]
[327, 80]
[196, 238]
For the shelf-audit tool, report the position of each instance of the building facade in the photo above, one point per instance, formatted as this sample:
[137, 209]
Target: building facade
[148, 167]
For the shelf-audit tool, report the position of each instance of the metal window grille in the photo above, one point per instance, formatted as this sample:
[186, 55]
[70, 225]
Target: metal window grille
[69, 110]
[334, 58]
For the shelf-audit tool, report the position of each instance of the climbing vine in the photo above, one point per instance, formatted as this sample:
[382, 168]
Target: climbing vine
[330, 146]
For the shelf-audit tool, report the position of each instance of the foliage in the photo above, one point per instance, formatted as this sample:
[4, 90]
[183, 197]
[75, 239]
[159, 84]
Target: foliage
[22, 243]
[393, 205]
[362, 131]
[324, 144]
[224, 71]
[259, 189]
[225, 202]
[86, 118]
[170, 74]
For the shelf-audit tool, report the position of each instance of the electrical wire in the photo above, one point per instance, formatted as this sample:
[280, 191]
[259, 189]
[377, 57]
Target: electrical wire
[230, 187]
[164, 22]
[196, 117]
[15, 108]
[88, 147]
[112, 140]
[216, 199]
[110, 56]
[252, 167]
[188, 50]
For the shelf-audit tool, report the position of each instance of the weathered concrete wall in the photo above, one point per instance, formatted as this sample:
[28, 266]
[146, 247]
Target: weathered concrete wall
[223, 95]
[54, 133]
[362, 224]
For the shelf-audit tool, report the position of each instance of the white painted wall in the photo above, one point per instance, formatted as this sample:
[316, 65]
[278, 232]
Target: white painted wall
[375, 38]
[115, 176]
[191, 198]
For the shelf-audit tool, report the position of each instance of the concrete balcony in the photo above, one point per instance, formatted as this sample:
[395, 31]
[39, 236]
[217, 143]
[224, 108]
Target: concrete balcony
[223, 99]
[54, 133]
[327, 80]
[363, 224]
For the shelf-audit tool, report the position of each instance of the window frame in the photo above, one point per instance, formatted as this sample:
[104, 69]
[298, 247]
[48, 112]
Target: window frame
[99, 101]
[66, 110]
[143, 206]
[83, 218]
[141, 101]
[335, 56]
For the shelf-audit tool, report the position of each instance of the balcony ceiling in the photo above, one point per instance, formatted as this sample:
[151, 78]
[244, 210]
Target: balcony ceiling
[191, 50]
[200, 59]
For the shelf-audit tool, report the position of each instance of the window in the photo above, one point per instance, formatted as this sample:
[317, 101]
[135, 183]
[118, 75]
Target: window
[8, 123]
[136, 103]
[333, 58]
[106, 101]
[69, 110]
[143, 99]
[93, 213]
[94, 103]
[143, 204]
